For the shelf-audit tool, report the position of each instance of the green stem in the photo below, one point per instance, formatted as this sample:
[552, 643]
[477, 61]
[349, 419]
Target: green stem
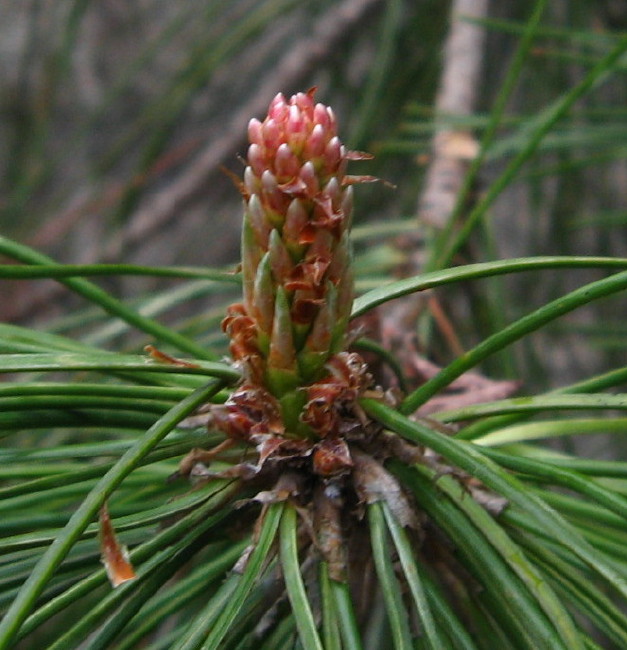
[469, 458]
[307, 632]
[107, 302]
[43, 572]
[513, 332]
[47, 271]
[392, 290]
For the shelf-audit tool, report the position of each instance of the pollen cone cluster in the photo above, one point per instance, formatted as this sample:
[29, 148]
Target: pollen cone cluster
[289, 333]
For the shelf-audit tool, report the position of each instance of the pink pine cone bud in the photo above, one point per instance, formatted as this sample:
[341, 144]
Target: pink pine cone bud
[296, 257]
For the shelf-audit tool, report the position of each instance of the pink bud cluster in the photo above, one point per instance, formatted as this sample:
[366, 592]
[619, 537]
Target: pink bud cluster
[297, 276]
[295, 175]
[296, 145]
